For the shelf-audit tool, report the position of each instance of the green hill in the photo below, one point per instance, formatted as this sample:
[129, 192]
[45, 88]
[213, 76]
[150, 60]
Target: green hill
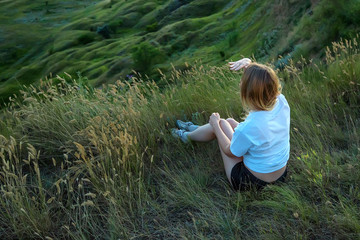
[105, 40]
[82, 162]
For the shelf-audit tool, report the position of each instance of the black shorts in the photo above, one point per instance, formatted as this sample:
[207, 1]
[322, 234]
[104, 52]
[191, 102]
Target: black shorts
[243, 179]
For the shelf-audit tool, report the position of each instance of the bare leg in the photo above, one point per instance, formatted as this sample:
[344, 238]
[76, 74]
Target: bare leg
[203, 133]
[229, 162]
[232, 122]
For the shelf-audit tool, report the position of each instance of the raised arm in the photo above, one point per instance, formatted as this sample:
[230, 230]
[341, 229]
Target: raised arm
[242, 63]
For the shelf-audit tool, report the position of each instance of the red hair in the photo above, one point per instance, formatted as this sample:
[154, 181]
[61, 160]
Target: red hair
[259, 87]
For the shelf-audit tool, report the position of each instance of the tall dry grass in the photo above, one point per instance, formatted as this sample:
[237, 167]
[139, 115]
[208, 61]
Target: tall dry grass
[80, 163]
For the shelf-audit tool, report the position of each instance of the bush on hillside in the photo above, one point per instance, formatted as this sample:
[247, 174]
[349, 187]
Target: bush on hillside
[104, 31]
[145, 56]
[152, 27]
[86, 38]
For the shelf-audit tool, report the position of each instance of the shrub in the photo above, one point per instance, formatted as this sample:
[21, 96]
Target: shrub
[86, 38]
[145, 56]
[51, 50]
[152, 27]
[104, 31]
[222, 54]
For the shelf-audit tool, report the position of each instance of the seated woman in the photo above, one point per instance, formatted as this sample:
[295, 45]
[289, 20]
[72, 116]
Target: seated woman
[255, 152]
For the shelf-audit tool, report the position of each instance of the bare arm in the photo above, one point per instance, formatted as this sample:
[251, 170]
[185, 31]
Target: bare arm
[242, 63]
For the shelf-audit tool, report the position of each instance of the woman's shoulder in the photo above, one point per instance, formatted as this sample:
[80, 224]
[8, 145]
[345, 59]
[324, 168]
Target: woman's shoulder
[249, 125]
[282, 98]
[284, 103]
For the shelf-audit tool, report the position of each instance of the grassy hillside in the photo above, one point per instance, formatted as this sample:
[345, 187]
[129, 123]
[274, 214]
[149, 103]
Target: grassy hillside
[79, 162]
[105, 40]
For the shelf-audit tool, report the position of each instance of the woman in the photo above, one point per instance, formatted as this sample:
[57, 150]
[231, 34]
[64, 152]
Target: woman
[255, 152]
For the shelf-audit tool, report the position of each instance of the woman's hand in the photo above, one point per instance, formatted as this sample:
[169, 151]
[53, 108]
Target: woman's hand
[243, 63]
[214, 119]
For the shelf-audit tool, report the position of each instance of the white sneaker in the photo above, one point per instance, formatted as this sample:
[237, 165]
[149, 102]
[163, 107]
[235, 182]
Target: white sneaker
[180, 133]
[187, 126]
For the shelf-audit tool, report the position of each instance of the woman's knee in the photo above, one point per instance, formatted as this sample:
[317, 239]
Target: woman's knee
[226, 128]
[224, 123]
[232, 122]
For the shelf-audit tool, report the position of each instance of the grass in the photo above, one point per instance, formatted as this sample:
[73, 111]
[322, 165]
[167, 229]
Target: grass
[80, 162]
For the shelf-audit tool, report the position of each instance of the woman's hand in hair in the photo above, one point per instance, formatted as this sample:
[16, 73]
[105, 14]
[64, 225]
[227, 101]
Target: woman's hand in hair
[242, 63]
[214, 119]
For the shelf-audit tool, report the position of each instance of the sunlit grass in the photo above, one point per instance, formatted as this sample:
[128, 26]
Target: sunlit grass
[78, 162]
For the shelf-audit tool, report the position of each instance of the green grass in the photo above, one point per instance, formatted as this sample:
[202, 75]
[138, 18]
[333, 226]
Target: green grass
[80, 162]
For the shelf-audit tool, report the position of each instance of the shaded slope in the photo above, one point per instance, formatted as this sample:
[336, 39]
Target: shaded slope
[38, 39]
[63, 36]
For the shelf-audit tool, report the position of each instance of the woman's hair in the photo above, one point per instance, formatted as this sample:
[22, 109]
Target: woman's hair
[259, 87]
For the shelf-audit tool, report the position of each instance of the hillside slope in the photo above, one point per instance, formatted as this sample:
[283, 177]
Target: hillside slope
[97, 38]
[84, 163]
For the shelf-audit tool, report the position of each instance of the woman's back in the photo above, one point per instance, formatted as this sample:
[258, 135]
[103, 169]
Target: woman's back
[263, 138]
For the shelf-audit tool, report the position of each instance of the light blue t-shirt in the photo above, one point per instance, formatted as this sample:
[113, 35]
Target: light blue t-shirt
[264, 138]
